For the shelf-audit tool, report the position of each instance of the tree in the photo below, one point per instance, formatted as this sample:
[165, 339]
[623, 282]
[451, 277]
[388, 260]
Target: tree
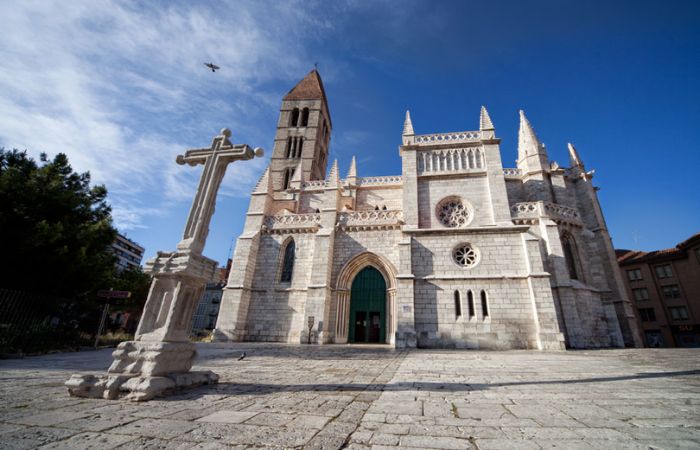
[56, 229]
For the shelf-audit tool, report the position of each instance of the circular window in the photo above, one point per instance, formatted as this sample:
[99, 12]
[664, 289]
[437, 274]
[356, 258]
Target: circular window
[465, 255]
[453, 213]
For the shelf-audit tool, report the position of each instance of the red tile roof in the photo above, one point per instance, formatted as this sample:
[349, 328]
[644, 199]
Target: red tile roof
[309, 88]
[627, 257]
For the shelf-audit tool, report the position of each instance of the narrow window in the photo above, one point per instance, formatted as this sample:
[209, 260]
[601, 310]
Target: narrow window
[470, 303]
[305, 117]
[458, 305]
[288, 262]
[287, 178]
[300, 147]
[289, 147]
[569, 257]
[295, 117]
[484, 304]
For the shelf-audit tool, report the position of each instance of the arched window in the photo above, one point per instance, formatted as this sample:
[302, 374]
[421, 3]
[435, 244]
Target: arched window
[295, 118]
[305, 117]
[470, 303]
[484, 305]
[569, 256]
[458, 305]
[288, 262]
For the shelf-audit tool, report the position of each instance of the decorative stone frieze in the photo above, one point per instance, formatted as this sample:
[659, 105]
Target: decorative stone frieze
[379, 181]
[292, 223]
[512, 173]
[370, 220]
[531, 212]
[448, 138]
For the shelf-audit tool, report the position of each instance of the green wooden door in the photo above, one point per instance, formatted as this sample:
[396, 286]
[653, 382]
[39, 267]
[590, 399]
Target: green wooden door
[368, 307]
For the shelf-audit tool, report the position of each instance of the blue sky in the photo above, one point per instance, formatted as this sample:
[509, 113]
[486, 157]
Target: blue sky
[120, 87]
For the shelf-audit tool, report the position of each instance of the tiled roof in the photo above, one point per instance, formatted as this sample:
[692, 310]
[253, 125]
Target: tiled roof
[636, 257]
[309, 88]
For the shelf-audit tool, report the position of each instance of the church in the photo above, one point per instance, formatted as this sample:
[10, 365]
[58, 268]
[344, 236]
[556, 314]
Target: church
[455, 251]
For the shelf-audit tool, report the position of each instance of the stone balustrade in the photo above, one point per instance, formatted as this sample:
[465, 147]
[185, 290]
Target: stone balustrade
[364, 220]
[290, 223]
[379, 181]
[314, 184]
[512, 172]
[530, 212]
[447, 138]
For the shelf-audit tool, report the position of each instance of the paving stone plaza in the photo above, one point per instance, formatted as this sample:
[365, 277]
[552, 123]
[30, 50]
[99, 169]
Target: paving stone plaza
[356, 397]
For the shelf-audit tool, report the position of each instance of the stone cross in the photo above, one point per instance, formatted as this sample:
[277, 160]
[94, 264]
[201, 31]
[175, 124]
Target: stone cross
[215, 160]
[160, 357]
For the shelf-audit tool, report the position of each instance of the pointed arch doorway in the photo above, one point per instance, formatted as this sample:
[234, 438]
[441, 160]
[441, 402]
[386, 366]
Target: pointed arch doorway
[367, 307]
[344, 306]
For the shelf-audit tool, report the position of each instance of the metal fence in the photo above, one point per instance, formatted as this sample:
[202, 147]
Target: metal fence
[31, 322]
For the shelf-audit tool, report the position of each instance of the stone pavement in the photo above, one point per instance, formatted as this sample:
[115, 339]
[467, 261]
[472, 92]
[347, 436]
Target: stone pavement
[359, 397]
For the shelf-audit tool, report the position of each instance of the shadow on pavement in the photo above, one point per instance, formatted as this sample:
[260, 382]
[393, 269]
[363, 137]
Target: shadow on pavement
[261, 389]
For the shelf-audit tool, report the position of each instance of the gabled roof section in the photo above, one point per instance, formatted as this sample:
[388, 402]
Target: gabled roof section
[310, 88]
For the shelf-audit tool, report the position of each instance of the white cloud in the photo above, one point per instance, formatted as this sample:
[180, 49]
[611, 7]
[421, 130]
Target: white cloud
[120, 87]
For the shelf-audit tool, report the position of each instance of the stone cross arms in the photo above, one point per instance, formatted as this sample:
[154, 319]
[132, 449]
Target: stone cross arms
[215, 159]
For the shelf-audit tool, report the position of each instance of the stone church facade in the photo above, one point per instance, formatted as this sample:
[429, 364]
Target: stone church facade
[455, 252]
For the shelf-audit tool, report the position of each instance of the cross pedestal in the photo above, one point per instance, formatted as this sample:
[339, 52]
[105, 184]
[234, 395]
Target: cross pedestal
[160, 357]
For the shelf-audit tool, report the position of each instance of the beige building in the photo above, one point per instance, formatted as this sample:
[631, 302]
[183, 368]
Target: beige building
[453, 251]
[665, 288]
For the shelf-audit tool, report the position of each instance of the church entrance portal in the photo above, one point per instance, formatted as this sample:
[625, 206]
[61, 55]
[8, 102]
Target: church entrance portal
[368, 307]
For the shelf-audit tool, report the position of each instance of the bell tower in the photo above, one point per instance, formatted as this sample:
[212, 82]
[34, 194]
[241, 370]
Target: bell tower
[303, 134]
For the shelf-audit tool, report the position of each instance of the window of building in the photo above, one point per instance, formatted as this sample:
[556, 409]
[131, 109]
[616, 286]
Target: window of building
[664, 271]
[305, 117]
[647, 314]
[484, 305]
[465, 255]
[452, 212]
[288, 175]
[634, 275]
[295, 118]
[678, 313]
[640, 294]
[654, 338]
[289, 147]
[458, 305]
[300, 147]
[288, 262]
[570, 256]
[672, 291]
[470, 303]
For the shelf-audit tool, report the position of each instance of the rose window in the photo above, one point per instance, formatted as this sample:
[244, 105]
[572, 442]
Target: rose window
[465, 255]
[453, 213]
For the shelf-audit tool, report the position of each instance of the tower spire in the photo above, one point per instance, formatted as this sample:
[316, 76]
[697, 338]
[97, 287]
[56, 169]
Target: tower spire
[333, 176]
[352, 172]
[528, 143]
[574, 158]
[485, 123]
[408, 125]
[264, 183]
